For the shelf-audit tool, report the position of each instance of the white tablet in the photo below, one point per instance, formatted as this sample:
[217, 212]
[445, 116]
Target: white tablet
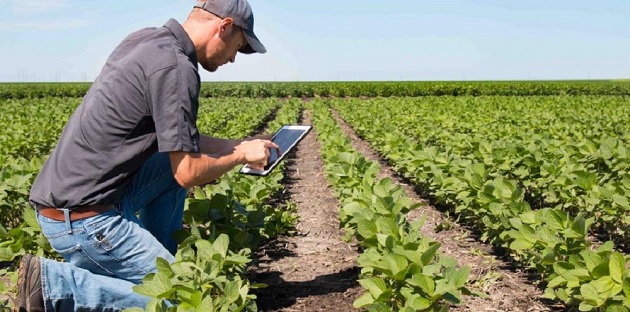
[286, 138]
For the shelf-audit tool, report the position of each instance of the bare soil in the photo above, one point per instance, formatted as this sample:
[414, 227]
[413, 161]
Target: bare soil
[315, 270]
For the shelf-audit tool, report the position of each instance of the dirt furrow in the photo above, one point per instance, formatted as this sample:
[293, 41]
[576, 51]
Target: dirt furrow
[315, 270]
[506, 287]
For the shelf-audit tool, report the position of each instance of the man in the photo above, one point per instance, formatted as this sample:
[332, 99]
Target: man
[113, 189]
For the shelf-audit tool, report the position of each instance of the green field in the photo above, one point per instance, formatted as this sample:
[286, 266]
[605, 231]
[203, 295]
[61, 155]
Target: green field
[540, 169]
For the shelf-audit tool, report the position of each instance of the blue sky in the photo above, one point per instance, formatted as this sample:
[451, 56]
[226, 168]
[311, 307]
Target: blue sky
[69, 40]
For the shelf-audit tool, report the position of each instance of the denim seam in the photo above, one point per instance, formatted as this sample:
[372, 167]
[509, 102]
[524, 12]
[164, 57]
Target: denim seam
[67, 250]
[123, 262]
[83, 251]
[44, 280]
[74, 232]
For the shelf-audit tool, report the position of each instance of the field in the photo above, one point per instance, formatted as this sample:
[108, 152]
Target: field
[406, 196]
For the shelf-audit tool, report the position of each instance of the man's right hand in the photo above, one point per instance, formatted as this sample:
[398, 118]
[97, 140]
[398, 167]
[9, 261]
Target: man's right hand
[255, 153]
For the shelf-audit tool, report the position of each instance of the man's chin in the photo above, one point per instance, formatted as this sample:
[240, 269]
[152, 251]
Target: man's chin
[210, 68]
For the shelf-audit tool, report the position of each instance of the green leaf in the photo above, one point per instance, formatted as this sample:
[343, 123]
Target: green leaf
[206, 304]
[221, 244]
[590, 294]
[6, 254]
[231, 291]
[380, 191]
[521, 244]
[155, 287]
[600, 270]
[397, 264]
[616, 308]
[528, 217]
[164, 267]
[549, 294]
[387, 225]
[621, 201]
[476, 181]
[585, 307]
[428, 255]
[364, 300]
[563, 295]
[607, 287]
[617, 266]
[579, 226]
[586, 180]
[198, 193]
[376, 286]
[204, 249]
[366, 229]
[460, 277]
[503, 188]
[556, 281]
[418, 303]
[591, 258]
[442, 288]
[426, 283]
[30, 218]
[194, 300]
[386, 241]
[556, 219]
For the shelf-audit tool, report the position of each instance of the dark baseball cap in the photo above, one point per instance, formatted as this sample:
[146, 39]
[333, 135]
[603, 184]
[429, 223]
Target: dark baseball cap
[241, 13]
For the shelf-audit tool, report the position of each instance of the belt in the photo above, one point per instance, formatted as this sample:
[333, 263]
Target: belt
[75, 214]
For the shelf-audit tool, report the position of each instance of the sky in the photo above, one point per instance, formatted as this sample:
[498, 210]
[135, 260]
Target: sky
[342, 40]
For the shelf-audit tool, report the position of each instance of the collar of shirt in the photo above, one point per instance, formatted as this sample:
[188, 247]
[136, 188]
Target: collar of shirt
[180, 34]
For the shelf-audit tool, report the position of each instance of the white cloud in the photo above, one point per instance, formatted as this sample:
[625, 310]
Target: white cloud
[33, 7]
[43, 25]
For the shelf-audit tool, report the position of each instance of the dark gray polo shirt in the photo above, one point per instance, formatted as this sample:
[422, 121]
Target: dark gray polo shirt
[144, 100]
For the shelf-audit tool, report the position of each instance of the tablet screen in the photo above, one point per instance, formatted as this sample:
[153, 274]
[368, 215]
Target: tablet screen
[286, 138]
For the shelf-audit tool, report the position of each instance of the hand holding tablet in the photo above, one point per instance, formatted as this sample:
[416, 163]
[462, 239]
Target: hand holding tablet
[286, 138]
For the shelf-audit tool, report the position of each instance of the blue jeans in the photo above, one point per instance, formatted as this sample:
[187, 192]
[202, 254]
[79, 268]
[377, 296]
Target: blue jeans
[109, 253]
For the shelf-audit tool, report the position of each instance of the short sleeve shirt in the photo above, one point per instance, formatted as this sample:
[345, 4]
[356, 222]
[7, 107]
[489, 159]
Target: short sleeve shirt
[145, 100]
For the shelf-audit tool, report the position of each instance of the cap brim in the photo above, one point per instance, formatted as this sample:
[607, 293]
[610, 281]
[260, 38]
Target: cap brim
[253, 44]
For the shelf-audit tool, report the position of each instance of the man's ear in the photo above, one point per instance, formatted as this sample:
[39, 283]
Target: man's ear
[225, 23]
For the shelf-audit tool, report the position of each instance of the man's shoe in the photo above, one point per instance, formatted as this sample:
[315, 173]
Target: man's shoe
[29, 296]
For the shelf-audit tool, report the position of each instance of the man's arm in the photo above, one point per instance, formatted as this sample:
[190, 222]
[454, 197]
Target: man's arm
[190, 169]
[217, 146]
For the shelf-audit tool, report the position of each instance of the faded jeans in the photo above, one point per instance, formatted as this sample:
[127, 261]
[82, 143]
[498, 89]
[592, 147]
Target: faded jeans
[106, 255]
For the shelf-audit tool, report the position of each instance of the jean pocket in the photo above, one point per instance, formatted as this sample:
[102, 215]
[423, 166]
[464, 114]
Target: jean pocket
[107, 232]
[65, 251]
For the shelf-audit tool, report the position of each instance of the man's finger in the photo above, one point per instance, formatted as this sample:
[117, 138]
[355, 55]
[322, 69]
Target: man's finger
[270, 144]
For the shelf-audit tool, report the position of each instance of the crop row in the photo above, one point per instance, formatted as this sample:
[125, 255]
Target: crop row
[351, 89]
[400, 268]
[570, 153]
[552, 240]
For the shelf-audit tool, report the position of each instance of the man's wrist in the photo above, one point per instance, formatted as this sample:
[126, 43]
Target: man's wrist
[238, 158]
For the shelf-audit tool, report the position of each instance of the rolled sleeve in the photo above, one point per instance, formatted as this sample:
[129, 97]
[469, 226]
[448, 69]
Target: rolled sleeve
[173, 96]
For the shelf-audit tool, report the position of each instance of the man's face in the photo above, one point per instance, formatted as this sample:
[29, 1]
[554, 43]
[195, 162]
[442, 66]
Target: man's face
[223, 47]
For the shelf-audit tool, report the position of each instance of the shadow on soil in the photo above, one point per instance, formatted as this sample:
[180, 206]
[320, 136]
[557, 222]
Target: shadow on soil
[281, 294]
